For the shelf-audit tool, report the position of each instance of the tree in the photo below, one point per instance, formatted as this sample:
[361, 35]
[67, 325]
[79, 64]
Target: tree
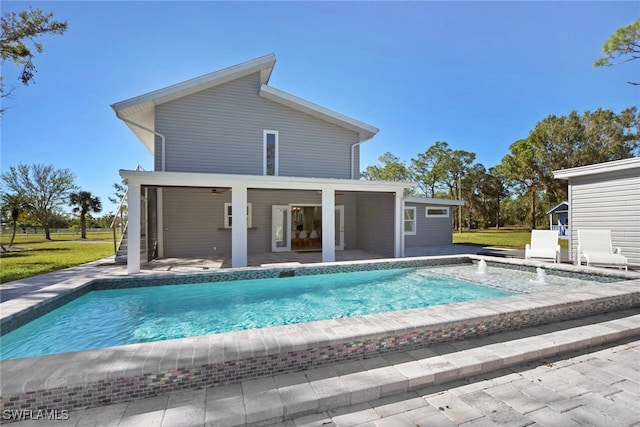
[428, 168]
[521, 167]
[45, 187]
[18, 32]
[623, 44]
[84, 202]
[15, 204]
[392, 169]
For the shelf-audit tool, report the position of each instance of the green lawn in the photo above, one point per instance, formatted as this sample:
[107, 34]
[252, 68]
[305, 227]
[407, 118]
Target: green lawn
[515, 238]
[37, 255]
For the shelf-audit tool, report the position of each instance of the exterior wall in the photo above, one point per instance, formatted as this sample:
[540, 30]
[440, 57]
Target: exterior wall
[429, 231]
[194, 220]
[608, 201]
[375, 223]
[220, 130]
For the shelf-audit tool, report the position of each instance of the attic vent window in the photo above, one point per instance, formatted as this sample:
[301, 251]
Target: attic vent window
[270, 140]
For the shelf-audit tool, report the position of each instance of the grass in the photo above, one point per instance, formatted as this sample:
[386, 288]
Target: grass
[36, 255]
[515, 238]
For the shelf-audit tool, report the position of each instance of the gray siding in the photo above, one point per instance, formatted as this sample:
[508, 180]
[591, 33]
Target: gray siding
[194, 220]
[608, 201]
[375, 217]
[429, 231]
[220, 130]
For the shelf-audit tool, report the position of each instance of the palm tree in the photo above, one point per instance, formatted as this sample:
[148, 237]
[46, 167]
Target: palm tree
[16, 204]
[84, 202]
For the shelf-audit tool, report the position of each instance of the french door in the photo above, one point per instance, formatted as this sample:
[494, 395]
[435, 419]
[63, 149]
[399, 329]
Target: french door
[281, 230]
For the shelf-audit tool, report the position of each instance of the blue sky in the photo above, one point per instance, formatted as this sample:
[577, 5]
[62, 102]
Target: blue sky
[478, 75]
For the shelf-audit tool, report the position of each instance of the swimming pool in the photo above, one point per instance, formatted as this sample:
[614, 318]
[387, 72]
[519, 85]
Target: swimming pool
[107, 318]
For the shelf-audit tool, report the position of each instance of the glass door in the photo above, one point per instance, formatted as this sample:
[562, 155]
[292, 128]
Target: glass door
[340, 227]
[280, 228]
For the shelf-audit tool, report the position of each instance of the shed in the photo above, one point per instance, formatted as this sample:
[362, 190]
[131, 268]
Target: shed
[606, 196]
[561, 224]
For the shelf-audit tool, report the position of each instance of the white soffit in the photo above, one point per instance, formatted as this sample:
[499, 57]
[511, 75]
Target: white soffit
[135, 106]
[196, 179]
[364, 130]
[616, 165]
[430, 201]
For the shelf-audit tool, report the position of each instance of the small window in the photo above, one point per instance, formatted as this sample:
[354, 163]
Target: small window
[228, 217]
[270, 140]
[437, 212]
[410, 220]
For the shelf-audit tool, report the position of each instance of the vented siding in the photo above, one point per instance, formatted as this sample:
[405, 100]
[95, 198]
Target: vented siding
[608, 201]
[429, 231]
[220, 130]
[376, 219]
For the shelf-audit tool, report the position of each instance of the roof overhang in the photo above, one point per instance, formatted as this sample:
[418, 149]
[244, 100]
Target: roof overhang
[138, 112]
[437, 202]
[191, 179]
[364, 130]
[559, 208]
[617, 165]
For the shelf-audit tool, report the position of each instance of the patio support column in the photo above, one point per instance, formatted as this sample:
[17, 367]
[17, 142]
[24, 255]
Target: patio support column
[238, 226]
[133, 228]
[399, 225]
[328, 225]
[160, 221]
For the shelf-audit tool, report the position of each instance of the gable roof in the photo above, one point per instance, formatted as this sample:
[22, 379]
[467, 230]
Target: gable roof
[616, 165]
[138, 112]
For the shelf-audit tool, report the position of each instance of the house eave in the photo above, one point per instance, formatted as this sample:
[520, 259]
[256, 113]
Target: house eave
[192, 179]
[134, 106]
[365, 131]
[617, 165]
[437, 202]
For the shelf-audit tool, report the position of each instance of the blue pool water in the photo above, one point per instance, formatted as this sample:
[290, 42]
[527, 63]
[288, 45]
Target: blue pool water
[125, 316]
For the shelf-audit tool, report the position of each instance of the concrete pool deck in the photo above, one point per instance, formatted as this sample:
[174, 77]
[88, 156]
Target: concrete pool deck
[51, 372]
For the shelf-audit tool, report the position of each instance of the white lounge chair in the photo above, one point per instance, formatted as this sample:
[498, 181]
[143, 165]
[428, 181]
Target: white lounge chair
[595, 247]
[544, 245]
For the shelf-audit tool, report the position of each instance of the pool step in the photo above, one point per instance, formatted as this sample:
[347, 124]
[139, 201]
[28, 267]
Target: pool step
[276, 399]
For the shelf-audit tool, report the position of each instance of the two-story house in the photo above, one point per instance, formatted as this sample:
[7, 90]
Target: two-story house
[227, 143]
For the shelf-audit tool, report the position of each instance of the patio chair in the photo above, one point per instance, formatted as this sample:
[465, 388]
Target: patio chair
[544, 245]
[595, 247]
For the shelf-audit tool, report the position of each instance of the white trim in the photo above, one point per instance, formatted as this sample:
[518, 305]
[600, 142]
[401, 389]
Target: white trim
[444, 215]
[413, 220]
[616, 165]
[196, 179]
[286, 231]
[431, 201]
[147, 101]
[364, 130]
[328, 224]
[264, 152]
[239, 256]
[227, 217]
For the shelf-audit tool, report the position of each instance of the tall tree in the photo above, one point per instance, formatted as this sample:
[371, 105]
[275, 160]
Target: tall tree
[84, 202]
[623, 46]
[392, 169]
[45, 187]
[14, 204]
[428, 168]
[521, 167]
[18, 40]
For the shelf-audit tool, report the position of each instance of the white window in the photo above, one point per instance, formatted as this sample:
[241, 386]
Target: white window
[437, 211]
[270, 142]
[410, 220]
[228, 217]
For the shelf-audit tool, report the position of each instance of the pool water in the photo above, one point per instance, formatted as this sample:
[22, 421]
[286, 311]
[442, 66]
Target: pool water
[125, 316]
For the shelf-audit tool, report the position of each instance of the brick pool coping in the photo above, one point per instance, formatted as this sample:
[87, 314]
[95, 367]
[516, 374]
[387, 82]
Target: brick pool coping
[116, 374]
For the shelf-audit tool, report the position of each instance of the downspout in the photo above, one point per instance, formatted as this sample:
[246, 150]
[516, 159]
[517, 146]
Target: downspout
[353, 157]
[162, 138]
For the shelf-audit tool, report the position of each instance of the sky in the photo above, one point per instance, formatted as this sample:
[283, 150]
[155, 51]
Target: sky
[477, 75]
